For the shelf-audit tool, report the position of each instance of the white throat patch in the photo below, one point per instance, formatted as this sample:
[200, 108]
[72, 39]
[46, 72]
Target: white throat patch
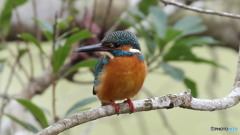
[107, 54]
[134, 50]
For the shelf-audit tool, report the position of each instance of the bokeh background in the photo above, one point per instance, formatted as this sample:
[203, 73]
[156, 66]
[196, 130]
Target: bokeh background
[30, 48]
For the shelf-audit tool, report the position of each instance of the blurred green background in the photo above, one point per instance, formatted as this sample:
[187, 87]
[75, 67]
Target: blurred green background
[209, 60]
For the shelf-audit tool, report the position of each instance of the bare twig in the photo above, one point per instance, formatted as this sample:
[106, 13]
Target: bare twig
[93, 15]
[105, 18]
[196, 9]
[81, 82]
[237, 78]
[4, 101]
[13, 55]
[16, 74]
[154, 58]
[54, 83]
[37, 32]
[5, 96]
[117, 23]
[21, 28]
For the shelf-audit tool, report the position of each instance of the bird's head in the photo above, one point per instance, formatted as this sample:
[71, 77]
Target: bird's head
[119, 40]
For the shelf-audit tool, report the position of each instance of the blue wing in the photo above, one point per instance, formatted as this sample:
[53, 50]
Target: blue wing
[98, 70]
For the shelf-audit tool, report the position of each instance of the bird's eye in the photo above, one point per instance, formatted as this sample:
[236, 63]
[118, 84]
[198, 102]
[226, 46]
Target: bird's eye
[117, 44]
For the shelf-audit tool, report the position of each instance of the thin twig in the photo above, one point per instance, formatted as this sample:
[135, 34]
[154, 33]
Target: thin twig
[21, 28]
[105, 18]
[37, 32]
[94, 14]
[54, 83]
[117, 23]
[16, 74]
[154, 59]
[237, 78]
[5, 92]
[14, 56]
[6, 97]
[80, 82]
[196, 9]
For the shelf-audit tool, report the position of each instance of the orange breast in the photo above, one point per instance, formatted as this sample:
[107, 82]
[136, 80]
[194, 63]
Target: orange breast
[122, 78]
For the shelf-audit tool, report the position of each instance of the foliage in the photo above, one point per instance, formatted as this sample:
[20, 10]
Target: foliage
[27, 125]
[6, 14]
[61, 52]
[78, 106]
[35, 110]
[167, 44]
[61, 48]
[90, 63]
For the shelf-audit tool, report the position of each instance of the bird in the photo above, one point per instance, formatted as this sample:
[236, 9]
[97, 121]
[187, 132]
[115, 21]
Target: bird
[121, 71]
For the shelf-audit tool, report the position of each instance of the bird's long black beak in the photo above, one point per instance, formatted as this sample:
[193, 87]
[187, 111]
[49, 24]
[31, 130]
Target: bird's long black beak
[90, 48]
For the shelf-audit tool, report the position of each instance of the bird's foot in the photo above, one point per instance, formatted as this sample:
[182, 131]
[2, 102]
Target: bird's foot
[129, 101]
[117, 108]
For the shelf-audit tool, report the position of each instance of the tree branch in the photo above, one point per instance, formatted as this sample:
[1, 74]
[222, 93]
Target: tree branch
[196, 9]
[183, 100]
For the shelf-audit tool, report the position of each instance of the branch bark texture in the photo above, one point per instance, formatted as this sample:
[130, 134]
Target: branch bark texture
[183, 100]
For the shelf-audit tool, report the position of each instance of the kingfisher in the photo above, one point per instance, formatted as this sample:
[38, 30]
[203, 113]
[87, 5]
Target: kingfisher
[120, 72]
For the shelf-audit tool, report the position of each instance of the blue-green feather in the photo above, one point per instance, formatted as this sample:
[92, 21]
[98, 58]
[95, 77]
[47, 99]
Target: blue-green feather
[124, 38]
[98, 70]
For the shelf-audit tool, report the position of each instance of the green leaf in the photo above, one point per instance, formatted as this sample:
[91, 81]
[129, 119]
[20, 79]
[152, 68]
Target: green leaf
[190, 84]
[144, 5]
[61, 52]
[6, 14]
[46, 27]
[178, 53]
[201, 60]
[151, 45]
[136, 14]
[174, 72]
[190, 25]
[68, 19]
[21, 52]
[78, 105]
[172, 34]
[187, 22]
[90, 63]
[32, 39]
[62, 25]
[74, 11]
[126, 22]
[194, 41]
[65, 34]
[159, 21]
[35, 110]
[28, 126]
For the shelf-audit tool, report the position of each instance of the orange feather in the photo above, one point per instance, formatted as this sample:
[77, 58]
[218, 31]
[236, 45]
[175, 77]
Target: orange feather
[122, 78]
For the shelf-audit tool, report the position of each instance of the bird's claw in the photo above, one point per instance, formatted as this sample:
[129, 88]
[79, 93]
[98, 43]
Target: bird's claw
[117, 108]
[129, 101]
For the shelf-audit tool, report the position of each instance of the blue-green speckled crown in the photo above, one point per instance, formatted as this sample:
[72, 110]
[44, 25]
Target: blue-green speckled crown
[124, 38]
